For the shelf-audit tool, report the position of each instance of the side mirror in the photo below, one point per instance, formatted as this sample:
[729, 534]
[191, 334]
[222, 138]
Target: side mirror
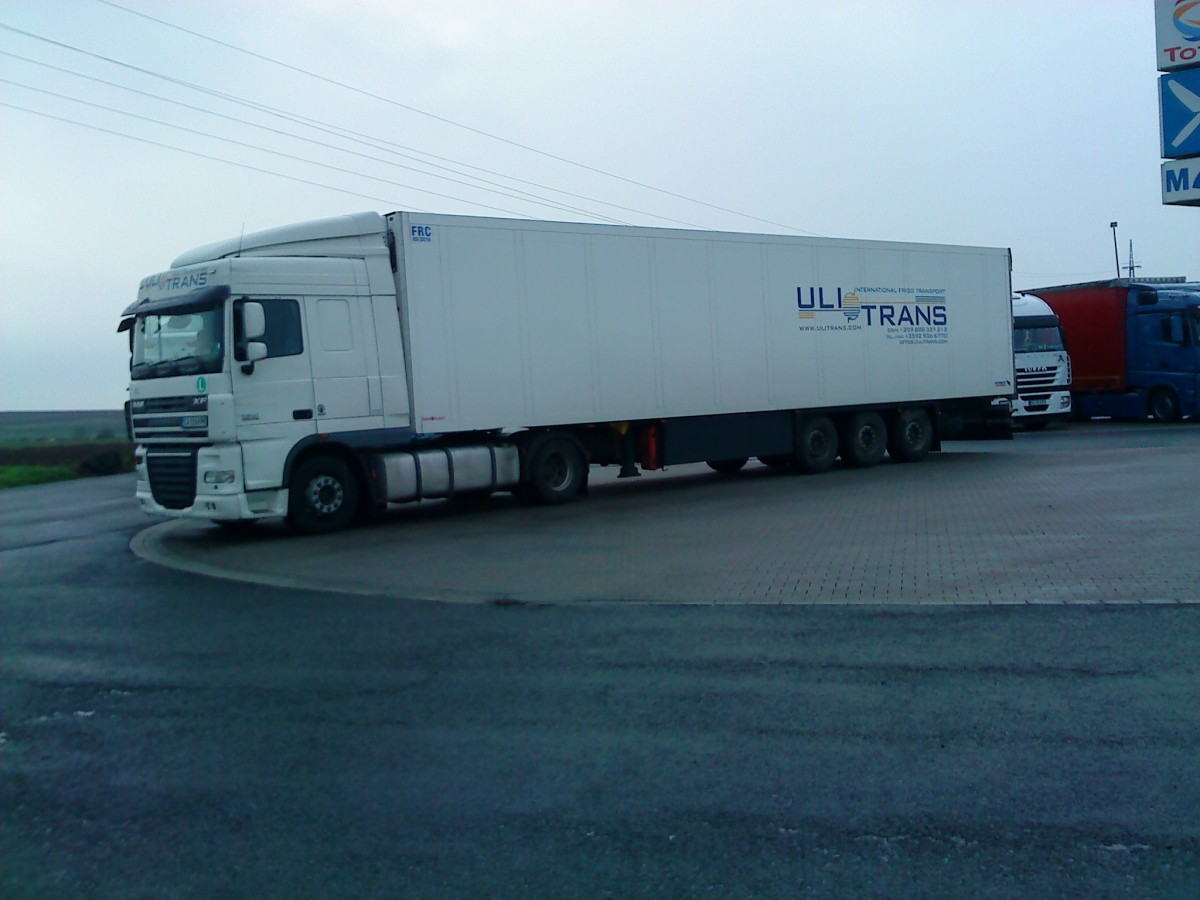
[255, 350]
[254, 320]
[249, 323]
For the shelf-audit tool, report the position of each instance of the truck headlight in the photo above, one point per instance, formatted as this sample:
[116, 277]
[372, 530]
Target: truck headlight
[224, 476]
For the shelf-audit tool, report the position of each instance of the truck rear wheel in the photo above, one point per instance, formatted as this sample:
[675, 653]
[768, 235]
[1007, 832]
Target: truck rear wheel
[556, 471]
[1164, 405]
[865, 439]
[817, 447]
[322, 496]
[912, 436]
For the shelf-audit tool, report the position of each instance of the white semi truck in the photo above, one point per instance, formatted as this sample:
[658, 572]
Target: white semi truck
[323, 370]
[1043, 368]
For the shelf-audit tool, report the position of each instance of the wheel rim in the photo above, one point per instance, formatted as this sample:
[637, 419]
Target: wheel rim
[818, 443]
[914, 434]
[325, 495]
[1164, 406]
[556, 472]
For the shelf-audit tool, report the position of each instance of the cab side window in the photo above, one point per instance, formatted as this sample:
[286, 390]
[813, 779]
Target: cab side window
[1173, 329]
[284, 336]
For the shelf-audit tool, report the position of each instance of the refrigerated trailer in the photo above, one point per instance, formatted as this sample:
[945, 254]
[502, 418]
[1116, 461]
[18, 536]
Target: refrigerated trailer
[320, 371]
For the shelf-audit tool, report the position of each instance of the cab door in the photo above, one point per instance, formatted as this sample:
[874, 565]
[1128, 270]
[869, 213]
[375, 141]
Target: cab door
[1164, 355]
[273, 397]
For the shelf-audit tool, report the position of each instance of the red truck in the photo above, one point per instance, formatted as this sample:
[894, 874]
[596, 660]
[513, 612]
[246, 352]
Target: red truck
[1134, 345]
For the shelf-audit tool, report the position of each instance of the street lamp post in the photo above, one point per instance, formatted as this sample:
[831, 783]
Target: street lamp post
[1116, 258]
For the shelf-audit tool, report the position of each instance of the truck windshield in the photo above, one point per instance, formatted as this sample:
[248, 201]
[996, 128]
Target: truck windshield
[178, 343]
[1034, 340]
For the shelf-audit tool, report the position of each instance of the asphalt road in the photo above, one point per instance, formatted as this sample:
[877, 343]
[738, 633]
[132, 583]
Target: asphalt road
[164, 734]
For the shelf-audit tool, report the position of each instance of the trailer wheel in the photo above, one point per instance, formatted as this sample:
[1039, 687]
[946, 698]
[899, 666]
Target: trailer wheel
[912, 436]
[818, 445]
[555, 471]
[727, 466]
[322, 497]
[865, 439]
[1164, 405]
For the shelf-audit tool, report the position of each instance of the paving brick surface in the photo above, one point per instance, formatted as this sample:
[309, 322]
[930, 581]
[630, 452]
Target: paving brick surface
[1099, 513]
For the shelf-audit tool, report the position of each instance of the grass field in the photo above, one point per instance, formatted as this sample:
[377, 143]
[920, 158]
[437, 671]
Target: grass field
[36, 447]
[61, 426]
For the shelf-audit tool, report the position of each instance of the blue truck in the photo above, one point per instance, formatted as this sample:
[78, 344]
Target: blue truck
[1134, 345]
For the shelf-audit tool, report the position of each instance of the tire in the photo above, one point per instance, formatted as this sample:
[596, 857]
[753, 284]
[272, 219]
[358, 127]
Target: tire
[322, 496]
[817, 447]
[727, 466]
[555, 471]
[911, 437]
[1164, 405]
[864, 440]
[370, 512]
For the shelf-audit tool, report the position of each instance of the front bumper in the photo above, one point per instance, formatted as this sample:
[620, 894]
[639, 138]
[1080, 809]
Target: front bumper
[201, 483]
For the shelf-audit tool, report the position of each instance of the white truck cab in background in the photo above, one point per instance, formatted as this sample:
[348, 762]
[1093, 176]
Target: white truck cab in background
[1043, 368]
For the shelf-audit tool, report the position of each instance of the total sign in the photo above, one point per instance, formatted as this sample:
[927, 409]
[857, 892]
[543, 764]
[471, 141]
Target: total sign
[1177, 28]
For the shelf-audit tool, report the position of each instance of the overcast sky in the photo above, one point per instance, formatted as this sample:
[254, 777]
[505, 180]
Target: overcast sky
[1014, 123]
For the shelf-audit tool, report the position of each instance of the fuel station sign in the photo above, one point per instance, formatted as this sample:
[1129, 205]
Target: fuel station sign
[1177, 35]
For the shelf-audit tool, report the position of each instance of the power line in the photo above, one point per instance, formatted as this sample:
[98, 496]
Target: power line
[94, 105]
[316, 124]
[443, 119]
[230, 162]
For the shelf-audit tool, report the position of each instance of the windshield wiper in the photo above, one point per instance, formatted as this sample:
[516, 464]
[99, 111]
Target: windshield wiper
[158, 369]
[188, 364]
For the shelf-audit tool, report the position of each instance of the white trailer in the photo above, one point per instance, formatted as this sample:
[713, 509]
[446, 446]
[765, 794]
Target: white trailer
[370, 359]
[1043, 368]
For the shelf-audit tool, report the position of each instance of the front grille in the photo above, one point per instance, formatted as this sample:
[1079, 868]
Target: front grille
[172, 477]
[1035, 381]
[170, 418]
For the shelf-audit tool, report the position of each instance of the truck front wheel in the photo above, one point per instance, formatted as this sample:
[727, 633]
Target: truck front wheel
[323, 496]
[1164, 405]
